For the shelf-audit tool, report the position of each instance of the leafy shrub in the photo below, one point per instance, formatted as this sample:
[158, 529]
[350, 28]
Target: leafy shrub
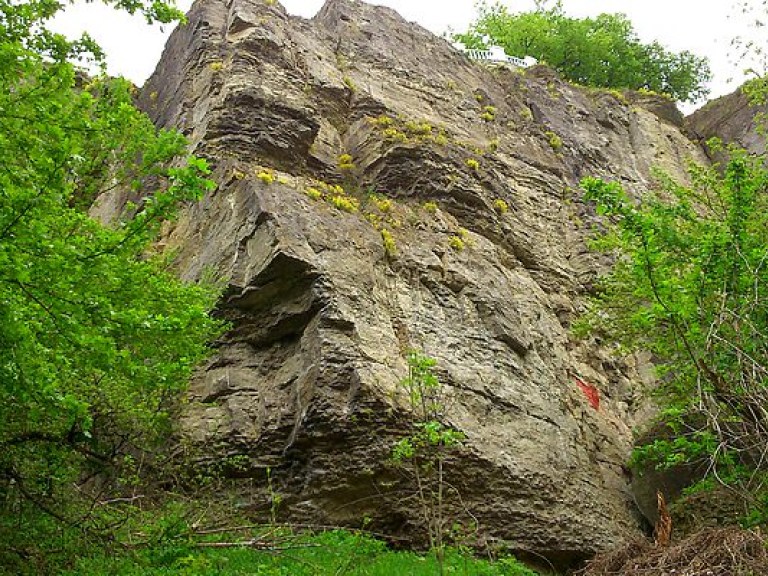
[688, 286]
[618, 95]
[424, 452]
[383, 121]
[441, 139]
[383, 204]
[647, 92]
[418, 128]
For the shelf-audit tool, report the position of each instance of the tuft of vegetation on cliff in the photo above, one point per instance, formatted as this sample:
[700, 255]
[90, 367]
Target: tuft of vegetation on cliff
[602, 52]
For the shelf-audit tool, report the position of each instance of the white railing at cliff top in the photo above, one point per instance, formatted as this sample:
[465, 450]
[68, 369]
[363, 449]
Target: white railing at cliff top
[495, 54]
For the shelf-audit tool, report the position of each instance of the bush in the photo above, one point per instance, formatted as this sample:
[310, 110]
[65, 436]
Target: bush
[314, 193]
[489, 114]
[689, 286]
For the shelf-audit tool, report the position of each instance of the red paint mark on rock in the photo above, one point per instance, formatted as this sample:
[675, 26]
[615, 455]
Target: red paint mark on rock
[590, 391]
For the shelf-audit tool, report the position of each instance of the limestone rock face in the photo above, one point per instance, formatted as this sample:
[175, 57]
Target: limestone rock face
[730, 118]
[446, 153]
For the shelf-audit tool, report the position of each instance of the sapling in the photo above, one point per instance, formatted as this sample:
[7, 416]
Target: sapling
[423, 453]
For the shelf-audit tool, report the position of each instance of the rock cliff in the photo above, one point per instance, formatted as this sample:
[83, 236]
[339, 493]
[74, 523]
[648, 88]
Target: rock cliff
[473, 173]
[732, 119]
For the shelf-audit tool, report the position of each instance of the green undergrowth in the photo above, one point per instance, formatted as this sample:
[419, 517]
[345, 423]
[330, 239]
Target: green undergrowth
[336, 552]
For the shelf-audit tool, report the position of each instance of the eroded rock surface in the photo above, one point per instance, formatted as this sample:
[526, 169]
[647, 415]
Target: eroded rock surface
[731, 118]
[306, 382]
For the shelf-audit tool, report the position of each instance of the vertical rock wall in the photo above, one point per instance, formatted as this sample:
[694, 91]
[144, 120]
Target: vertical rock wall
[306, 382]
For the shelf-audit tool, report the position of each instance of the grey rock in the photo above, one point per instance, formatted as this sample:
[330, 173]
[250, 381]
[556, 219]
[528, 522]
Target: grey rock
[731, 118]
[306, 382]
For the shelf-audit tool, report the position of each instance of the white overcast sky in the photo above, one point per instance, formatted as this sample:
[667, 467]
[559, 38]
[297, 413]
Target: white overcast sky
[703, 27]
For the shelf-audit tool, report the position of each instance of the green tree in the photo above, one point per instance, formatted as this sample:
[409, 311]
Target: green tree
[690, 285]
[97, 336]
[602, 52]
[423, 454]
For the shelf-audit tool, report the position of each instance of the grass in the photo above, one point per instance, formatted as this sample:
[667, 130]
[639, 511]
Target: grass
[330, 553]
